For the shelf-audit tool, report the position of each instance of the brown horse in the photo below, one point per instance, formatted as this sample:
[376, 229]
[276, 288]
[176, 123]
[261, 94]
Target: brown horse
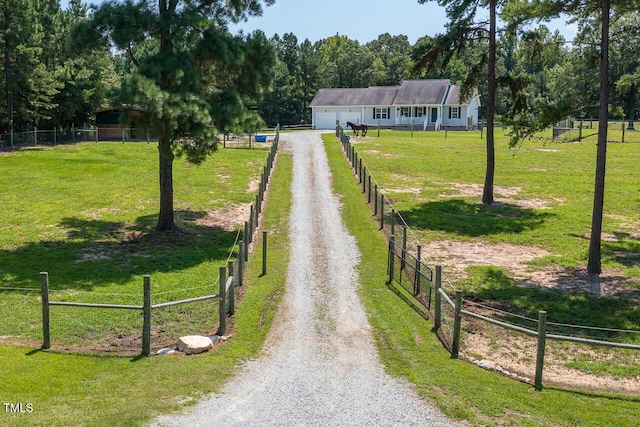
[355, 128]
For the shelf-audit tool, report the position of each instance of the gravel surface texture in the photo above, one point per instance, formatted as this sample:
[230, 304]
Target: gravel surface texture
[320, 366]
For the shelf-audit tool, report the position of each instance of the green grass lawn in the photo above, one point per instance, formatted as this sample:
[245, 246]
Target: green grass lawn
[544, 192]
[407, 345]
[96, 237]
[86, 214]
[557, 177]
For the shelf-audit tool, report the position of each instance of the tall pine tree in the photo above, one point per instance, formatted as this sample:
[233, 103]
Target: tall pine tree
[197, 77]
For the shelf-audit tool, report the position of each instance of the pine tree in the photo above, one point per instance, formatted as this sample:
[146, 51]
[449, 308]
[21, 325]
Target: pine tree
[197, 76]
[466, 31]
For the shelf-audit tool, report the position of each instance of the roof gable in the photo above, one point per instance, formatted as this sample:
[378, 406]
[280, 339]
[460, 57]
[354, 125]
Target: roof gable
[422, 92]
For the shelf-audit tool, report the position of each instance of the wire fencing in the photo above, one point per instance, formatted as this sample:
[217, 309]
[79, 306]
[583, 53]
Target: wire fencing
[99, 321]
[524, 339]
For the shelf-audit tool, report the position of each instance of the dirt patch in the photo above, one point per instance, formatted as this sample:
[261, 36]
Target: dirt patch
[514, 354]
[254, 185]
[380, 154]
[456, 256]
[406, 190]
[226, 218]
[504, 195]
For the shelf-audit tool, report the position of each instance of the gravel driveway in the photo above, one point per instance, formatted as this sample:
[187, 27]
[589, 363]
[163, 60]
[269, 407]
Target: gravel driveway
[320, 366]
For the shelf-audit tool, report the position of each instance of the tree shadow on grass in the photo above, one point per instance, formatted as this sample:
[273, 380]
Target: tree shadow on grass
[493, 287]
[473, 219]
[98, 253]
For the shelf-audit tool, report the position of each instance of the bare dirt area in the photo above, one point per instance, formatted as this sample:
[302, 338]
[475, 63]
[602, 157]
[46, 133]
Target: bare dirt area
[514, 354]
[505, 195]
[319, 364]
[226, 218]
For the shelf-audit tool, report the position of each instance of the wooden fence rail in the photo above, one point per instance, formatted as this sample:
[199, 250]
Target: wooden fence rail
[413, 270]
[223, 295]
[226, 291]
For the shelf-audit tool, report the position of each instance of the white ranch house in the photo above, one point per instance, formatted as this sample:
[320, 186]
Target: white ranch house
[427, 104]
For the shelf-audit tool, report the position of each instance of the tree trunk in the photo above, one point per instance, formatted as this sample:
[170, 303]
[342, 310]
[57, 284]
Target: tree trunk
[7, 71]
[487, 194]
[165, 218]
[594, 266]
[631, 107]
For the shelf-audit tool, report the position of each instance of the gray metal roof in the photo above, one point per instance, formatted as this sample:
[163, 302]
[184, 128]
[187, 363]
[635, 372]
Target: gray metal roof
[410, 92]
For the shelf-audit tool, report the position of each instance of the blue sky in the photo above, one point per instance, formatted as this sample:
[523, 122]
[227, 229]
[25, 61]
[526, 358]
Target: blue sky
[361, 20]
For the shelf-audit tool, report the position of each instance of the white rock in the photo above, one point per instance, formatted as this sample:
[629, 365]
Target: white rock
[487, 364]
[194, 344]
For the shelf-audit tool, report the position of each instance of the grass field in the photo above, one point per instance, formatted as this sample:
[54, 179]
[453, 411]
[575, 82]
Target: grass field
[99, 199]
[408, 346]
[528, 252]
[95, 236]
[86, 213]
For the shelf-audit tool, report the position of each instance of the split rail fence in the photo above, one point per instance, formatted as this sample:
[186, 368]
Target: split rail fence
[230, 276]
[425, 283]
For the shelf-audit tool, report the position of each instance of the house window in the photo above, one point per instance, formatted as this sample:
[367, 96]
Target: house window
[381, 113]
[405, 111]
[420, 112]
[454, 112]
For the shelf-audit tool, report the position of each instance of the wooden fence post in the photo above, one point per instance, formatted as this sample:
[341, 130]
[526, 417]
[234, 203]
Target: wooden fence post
[369, 192]
[375, 201]
[264, 253]
[247, 239]
[232, 291]
[416, 281]
[240, 263]
[392, 249]
[222, 297]
[542, 337]
[393, 221]
[457, 319]
[146, 310]
[437, 313]
[404, 247]
[363, 180]
[381, 211]
[44, 288]
[251, 222]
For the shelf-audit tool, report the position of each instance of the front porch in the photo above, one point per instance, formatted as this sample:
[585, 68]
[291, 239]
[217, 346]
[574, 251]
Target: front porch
[427, 117]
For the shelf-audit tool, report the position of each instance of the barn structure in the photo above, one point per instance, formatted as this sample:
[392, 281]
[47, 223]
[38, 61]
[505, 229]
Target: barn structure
[109, 125]
[421, 104]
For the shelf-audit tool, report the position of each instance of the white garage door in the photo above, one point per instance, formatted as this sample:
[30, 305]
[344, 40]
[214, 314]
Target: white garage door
[325, 120]
[350, 117]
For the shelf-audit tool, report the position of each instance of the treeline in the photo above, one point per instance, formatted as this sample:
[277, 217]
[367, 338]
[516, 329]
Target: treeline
[48, 83]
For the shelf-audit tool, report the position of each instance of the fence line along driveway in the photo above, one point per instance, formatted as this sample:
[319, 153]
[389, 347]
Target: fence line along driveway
[320, 365]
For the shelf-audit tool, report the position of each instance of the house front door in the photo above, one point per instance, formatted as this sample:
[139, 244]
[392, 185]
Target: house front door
[434, 115]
